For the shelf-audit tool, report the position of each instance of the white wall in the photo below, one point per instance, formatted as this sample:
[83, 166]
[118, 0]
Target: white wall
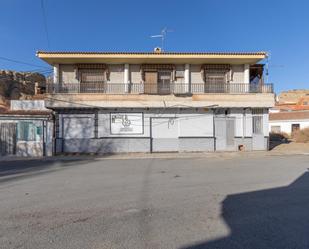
[28, 105]
[76, 125]
[190, 123]
[248, 123]
[116, 73]
[286, 125]
[135, 73]
[238, 114]
[237, 73]
[195, 74]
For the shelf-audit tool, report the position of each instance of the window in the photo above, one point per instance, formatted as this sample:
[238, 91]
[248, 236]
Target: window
[164, 82]
[91, 80]
[216, 77]
[305, 103]
[257, 122]
[28, 131]
[295, 127]
[92, 75]
[275, 128]
[215, 82]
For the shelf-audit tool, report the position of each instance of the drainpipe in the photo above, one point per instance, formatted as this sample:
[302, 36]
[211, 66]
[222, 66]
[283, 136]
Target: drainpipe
[214, 128]
[54, 133]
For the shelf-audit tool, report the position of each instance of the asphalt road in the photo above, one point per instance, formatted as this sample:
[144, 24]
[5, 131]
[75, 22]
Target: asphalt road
[244, 203]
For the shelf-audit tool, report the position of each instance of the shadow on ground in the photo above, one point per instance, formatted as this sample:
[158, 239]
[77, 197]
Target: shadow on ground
[19, 169]
[273, 218]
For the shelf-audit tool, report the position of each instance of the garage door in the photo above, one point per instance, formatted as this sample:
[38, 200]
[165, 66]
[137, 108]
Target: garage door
[164, 134]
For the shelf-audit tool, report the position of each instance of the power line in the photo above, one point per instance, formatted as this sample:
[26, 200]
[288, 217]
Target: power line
[45, 23]
[21, 62]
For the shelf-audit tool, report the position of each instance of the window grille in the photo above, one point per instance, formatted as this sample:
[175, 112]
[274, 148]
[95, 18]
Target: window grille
[257, 122]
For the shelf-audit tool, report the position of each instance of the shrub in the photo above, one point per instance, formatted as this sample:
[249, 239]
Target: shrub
[302, 136]
[282, 136]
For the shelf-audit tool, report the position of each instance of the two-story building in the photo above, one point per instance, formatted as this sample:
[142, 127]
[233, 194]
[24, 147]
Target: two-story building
[107, 102]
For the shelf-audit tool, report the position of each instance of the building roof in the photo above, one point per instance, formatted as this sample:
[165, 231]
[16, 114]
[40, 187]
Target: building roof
[55, 57]
[292, 115]
[6, 112]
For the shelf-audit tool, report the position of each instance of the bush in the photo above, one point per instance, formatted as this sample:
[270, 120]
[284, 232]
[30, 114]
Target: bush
[302, 136]
[282, 136]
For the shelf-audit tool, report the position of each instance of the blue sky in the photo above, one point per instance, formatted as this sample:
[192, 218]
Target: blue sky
[279, 27]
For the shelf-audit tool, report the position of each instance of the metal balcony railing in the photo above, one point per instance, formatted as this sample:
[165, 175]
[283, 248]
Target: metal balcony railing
[159, 88]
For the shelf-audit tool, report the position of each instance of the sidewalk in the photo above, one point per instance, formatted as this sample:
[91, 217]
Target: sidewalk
[285, 149]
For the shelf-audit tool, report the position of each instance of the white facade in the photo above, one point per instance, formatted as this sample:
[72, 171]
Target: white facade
[141, 130]
[150, 102]
[286, 125]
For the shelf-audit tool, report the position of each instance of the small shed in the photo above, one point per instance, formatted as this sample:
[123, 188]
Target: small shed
[26, 130]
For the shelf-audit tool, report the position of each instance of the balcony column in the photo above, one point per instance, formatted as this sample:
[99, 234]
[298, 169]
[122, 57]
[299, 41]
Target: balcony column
[126, 77]
[55, 79]
[247, 73]
[247, 77]
[187, 78]
[56, 74]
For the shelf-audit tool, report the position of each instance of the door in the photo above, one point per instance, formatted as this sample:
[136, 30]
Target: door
[7, 139]
[258, 141]
[294, 128]
[216, 82]
[225, 133]
[164, 134]
[164, 82]
[151, 81]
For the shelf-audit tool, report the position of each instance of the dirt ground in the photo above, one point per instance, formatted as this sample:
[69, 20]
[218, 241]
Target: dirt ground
[292, 147]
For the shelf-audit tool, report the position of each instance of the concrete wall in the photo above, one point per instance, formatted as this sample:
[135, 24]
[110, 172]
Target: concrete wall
[67, 74]
[237, 74]
[106, 145]
[195, 74]
[286, 125]
[28, 105]
[135, 73]
[116, 73]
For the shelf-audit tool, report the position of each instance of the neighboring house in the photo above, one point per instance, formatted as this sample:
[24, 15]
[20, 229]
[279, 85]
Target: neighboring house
[26, 129]
[288, 122]
[107, 102]
[301, 105]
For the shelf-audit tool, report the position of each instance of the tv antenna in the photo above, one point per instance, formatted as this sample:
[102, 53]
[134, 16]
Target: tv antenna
[270, 65]
[162, 35]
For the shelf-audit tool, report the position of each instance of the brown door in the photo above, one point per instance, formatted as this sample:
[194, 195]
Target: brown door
[151, 81]
[295, 128]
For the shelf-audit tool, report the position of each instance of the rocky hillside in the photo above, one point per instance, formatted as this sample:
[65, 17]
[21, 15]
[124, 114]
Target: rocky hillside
[18, 85]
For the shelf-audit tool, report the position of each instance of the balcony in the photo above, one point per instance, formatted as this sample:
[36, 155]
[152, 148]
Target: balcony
[157, 89]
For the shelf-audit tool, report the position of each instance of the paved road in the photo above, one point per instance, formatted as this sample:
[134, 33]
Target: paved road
[259, 202]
